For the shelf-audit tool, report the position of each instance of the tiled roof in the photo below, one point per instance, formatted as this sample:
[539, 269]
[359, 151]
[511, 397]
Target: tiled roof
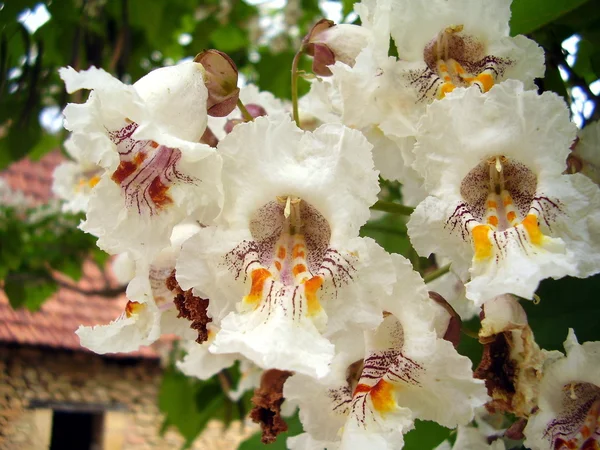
[55, 324]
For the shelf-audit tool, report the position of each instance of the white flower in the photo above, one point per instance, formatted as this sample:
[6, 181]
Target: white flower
[149, 313]
[409, 372]
[585, 157]
[286, 256]
[445, 44]
[569, 403]
[146, 138]
[500, 207]
[74, 180]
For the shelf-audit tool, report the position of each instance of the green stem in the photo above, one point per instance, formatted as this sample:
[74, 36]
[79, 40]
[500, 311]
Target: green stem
[245, 113]
[383, 229]
[295, 63]
[394, 208]
[470, 333]
[436, 273]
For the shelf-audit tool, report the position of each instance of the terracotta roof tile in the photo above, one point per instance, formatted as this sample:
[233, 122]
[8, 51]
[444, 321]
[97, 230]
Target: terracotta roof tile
[55, 324]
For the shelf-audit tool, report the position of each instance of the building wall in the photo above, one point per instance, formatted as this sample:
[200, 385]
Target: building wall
[33, 381]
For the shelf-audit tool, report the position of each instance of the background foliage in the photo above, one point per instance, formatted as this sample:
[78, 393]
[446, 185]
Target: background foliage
[131, 37]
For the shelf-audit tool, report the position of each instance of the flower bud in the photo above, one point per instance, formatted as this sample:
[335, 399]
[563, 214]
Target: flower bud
[254, 110]
[221, 76]
[328, 43]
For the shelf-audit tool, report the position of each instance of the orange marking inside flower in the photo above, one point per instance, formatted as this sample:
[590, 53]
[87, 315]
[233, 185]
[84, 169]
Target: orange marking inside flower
[281, 252]
[258, 276]
[507, 201]
[492, 204]
[481, 240]
[311, 287]
[278, 265]
[446, 89]
[125, 169]
[486, 81]
[458, 68]
[298, 269]
[298, 251]
[533, 230]
[361, 388]
[382, 396]
[511, 215]
[133, 308]
[158, 193]
[493, 220]
[139, 158]
[154, 144]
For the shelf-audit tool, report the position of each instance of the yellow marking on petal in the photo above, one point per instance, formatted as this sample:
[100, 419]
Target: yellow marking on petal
[486, 81]
[311, 286]
[481, 240]
[492, 204]
[446, 89]
[533, 230]
[382, 395]
[93, 181]
[507, 201]
[259, 276]
[458, 68]
[493, 220]
[133, 308]
[511, 215]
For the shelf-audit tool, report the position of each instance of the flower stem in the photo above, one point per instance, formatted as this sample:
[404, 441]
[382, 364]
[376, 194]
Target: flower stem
[245, 113]
[295, 63]
[436, 273]
[394, 208]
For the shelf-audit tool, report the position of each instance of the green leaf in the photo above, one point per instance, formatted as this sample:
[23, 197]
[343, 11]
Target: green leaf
[30, 293]
[529, 15]
[583, 63]
[426, 435]
[229, 38]
[565, 303]
[254, 443]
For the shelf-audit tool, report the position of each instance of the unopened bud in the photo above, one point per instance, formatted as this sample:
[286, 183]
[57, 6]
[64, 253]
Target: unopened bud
[254, 110]
[221, 76]
[328, 43]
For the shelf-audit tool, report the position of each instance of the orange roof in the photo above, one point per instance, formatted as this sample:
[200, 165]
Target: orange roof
[55, 323]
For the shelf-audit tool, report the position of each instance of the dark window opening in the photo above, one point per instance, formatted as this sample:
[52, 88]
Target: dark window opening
[76, 430]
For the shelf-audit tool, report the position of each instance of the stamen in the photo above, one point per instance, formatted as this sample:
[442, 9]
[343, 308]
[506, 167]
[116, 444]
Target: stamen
[288, 208]
[498, 164]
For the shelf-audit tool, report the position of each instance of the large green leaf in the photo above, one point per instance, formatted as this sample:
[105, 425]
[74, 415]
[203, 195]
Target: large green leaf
[530, 15]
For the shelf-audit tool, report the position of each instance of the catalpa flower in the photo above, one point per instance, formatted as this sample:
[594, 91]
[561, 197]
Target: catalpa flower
[146, 138]
[286, 256]
[149, 312]
[74, 180]
[569, 405]
[408, 372]
[500, 207]
[459, 43]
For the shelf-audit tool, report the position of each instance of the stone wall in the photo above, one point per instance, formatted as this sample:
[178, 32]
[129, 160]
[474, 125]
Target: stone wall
[33, 381]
